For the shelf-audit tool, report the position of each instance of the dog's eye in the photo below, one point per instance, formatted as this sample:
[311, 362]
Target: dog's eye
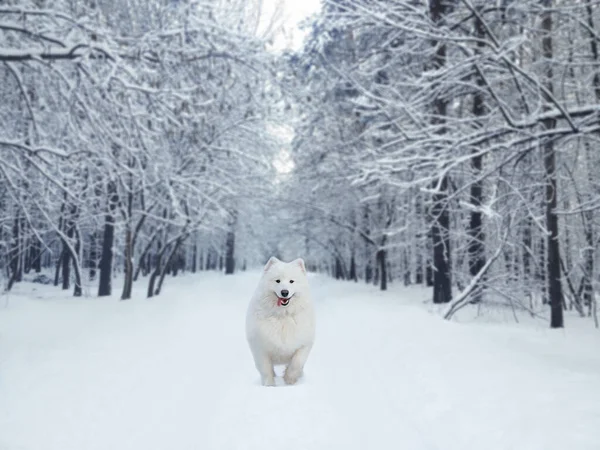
[291, 281]
[277, 281]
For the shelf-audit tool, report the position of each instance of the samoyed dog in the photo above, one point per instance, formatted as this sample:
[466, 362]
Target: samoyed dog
[280, 321]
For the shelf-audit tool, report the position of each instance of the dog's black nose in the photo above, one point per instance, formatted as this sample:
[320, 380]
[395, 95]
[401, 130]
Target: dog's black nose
[284, 292]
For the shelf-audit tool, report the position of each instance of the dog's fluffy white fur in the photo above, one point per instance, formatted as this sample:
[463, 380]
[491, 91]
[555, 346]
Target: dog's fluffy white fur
[280, 321]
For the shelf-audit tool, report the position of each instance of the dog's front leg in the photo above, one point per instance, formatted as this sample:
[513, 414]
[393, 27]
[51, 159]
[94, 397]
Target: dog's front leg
[294, 369]
[266, 370]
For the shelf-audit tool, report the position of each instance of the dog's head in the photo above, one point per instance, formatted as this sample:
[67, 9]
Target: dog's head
[285, 280]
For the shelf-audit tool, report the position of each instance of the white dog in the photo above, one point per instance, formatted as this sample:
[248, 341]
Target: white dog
[280, 321]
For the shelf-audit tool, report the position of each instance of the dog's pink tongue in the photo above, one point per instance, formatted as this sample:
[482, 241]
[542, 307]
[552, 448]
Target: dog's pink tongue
[279, 301]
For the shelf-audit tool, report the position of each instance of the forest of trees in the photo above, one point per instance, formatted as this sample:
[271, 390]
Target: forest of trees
[454, 143]
[132, 133]
[449, 143]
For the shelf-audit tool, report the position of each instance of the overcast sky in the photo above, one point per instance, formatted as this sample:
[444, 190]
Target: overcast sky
[289, 13]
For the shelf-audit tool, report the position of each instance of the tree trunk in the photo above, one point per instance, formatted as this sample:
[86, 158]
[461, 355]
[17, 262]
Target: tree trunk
[106, 260]
[144, 264]
[155, 274]
[406, 271]
[78, 289]
[164, 272]
[195, 256]
[476, 246]
[339, 273]
[230, 252]
[37, 255]
[57, 269]
[382, 263]
[555, 293]
[15, 260]
[353, 268]
[28, 257]
[553, 263]
[442, 281]
[66, 266]
[128, 282]
[368, 272]
[527, 249]
[588, 289]
[93, 256]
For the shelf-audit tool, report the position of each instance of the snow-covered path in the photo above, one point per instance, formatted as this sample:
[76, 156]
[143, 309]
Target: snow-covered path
[175, 373]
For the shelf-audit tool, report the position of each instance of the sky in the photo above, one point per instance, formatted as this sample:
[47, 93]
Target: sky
[281, 19]
[288, 14]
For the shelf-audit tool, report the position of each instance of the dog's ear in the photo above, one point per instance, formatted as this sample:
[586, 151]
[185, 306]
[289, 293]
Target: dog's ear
[272, 260]
[300, 262]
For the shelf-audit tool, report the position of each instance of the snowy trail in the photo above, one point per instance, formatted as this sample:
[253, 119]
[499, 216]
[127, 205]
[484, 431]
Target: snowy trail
[175, 372]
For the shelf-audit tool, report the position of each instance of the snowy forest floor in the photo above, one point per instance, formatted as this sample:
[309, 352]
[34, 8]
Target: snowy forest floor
[174, 372]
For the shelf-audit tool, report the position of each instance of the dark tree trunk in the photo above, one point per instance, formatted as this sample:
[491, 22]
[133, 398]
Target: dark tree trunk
[57, 269]
[382, 264]
[195, 257]
[155, 273]
[429, 276]
[527, 249]
[170, 258]
[28, 257]
[130, 236]
[160, 269]
[106, 260]
[15, 260]
[230, 252]
[368, 272]
[476, 246]
[419, 276]
[406, 268]
[588, 287]
[553, 263]
[174, 265]
[66, 252]
[353, 275]
[66, 266]
[367, 252]
[442, 280]
[145, 259]
[78, 290]
[93, 256]
[36, 263]
[71, 244]
[128, 281]
[147, 264]
[555, 293]
[339, 273]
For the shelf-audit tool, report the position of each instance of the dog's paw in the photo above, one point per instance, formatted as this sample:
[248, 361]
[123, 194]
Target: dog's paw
[291, 377]
[268, 381]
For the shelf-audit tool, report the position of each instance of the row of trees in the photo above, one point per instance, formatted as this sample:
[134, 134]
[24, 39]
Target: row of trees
[453, 143]
[444, 142]
[131, 133]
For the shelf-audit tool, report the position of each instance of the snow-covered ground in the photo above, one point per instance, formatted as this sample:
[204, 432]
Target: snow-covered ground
[174, 372]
